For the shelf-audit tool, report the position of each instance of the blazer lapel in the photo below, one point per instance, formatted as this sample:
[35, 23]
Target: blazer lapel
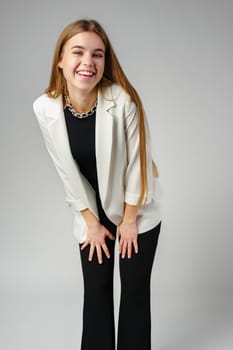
[104, 138]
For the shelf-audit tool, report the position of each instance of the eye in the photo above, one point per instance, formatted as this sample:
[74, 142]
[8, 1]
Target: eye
[98, 55]
[79, 53]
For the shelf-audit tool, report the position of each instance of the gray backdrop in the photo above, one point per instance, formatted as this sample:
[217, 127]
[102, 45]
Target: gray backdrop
[179, 56]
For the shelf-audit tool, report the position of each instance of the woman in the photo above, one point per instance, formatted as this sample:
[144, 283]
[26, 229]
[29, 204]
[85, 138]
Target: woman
[96, 132]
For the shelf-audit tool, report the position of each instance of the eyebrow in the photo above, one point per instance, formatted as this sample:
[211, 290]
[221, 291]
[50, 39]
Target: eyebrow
[82, 47]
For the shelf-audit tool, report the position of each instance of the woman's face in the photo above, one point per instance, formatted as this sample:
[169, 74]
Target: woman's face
[82, 62]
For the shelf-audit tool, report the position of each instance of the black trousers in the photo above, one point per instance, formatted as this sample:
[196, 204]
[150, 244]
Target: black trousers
[134, 324]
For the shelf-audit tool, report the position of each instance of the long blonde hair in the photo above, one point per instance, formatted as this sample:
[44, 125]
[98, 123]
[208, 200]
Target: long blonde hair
[113, 73]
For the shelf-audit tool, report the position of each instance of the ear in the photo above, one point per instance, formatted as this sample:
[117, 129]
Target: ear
[60, 65]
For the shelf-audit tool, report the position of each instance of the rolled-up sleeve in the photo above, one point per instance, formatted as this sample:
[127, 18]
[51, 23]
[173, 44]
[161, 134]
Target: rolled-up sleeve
[133, 173]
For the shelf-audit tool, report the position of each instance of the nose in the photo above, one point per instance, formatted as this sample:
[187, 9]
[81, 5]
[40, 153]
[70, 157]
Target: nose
[88, 60]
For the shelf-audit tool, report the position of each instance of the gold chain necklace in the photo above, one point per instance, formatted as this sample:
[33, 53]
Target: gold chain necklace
[80, 115]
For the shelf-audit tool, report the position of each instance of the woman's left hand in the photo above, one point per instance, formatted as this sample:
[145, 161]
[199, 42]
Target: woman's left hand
[128, 232]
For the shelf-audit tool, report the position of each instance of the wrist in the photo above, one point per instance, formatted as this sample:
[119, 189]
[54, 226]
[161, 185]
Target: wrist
[130, 214]
[129, 221]
[89, 217]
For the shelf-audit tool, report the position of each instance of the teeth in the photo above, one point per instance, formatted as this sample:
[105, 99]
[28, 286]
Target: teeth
[86, 73]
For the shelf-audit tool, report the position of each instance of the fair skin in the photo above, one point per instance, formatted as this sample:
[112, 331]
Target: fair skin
[82, 62]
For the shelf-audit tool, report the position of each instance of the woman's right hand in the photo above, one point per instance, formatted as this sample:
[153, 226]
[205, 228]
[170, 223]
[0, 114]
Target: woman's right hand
[96, 234]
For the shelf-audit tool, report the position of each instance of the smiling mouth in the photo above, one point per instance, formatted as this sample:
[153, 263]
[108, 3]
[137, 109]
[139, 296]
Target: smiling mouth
[85, 73]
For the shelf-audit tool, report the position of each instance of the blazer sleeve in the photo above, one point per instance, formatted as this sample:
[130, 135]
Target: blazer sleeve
[133, 174]
[71, 194]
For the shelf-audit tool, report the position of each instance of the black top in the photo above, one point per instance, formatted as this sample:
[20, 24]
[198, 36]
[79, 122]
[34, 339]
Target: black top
[81, 133]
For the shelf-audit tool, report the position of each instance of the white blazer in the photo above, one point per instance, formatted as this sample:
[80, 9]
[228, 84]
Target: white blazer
[117, 158]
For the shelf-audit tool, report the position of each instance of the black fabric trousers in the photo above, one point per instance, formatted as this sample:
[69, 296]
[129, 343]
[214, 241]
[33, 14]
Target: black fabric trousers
[134, 324]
